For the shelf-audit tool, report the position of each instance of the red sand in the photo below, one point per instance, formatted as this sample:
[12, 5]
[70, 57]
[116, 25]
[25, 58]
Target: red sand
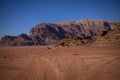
[59, 63]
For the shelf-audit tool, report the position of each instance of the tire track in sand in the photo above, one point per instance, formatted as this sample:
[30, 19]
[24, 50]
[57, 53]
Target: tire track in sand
[39, 69]
[52, 67]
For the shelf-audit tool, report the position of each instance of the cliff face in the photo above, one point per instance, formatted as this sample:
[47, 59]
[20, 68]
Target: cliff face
[51, 33]
[48, 33]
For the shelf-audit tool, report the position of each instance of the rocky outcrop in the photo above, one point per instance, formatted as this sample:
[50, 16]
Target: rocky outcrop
[112, 38]
[89, 31]
[20, 40]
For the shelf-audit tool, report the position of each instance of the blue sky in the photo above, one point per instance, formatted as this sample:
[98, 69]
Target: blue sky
[19, 16]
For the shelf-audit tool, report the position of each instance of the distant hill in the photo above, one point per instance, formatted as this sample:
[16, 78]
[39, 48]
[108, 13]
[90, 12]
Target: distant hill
[86, 32]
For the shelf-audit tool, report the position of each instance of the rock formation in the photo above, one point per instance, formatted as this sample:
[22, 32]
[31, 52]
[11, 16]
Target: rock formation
[20, 40]
[88, 31]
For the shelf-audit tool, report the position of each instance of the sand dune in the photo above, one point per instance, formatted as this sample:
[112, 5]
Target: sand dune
[64, 63]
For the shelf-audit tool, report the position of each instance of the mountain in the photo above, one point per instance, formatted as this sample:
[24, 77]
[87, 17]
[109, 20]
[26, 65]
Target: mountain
[20, 40]
[88, 31]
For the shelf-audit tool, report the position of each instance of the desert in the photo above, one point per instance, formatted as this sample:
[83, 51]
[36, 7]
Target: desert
[78, 50]
[60, 63]
[59, 39]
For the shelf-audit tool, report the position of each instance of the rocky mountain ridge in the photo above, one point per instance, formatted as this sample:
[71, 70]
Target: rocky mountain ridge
[52, 33]
[20, 40]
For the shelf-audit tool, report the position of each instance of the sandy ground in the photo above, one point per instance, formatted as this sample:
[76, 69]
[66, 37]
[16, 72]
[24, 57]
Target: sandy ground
[59, 63]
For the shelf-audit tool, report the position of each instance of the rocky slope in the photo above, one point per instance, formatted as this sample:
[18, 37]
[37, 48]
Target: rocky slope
[111, 38]
[48, 33]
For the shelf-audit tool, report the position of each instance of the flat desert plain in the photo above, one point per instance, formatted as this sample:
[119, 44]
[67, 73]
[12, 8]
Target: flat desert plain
[59, 63]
